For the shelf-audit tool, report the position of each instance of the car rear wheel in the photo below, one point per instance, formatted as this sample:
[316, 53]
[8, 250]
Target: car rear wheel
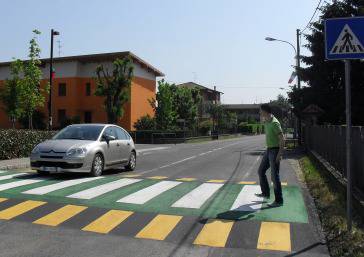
[132, 162]
[97, 165]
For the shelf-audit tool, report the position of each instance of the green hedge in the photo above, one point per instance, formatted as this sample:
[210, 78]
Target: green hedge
[252, 128]
[19, 143]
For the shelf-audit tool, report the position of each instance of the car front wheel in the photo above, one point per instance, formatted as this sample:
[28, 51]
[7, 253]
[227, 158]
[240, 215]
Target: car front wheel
[97, 165]
[132, 162]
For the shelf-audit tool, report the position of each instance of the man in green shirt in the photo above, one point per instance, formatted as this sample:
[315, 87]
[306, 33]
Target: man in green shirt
[272, 156]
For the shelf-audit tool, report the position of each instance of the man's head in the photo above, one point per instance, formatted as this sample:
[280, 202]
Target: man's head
[265, 112]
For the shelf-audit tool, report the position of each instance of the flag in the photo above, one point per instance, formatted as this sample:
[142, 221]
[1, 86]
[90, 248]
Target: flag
[292, 77]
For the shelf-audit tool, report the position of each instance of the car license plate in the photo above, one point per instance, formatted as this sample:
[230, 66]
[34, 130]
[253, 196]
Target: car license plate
[50, 169]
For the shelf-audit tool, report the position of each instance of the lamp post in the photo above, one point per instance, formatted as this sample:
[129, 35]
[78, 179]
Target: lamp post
[50, 123]
[298, 65]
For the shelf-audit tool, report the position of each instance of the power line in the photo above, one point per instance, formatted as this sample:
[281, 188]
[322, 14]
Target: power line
[313, 15]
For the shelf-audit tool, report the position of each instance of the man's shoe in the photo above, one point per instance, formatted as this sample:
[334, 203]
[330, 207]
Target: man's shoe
[275, 204]
[262, 195]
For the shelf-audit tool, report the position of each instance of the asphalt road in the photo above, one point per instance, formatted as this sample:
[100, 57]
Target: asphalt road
[182, 200]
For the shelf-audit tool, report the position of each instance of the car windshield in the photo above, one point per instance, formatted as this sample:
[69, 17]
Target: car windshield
[80, 133]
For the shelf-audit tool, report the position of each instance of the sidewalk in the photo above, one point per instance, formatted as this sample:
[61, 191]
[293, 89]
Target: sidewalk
[20, 163]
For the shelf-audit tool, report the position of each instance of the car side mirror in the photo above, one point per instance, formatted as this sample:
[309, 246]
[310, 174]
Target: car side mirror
[108, 138]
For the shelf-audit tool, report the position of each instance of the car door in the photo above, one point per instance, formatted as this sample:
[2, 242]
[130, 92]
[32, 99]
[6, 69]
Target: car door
[111, 147]
[124, 145]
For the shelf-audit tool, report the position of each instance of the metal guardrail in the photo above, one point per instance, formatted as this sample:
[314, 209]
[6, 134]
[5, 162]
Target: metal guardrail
[329, 142]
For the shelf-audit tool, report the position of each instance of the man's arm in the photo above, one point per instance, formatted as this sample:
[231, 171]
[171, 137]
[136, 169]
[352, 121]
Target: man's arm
[281, 146]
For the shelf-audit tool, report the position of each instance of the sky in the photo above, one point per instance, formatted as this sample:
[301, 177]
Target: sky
[211, 42]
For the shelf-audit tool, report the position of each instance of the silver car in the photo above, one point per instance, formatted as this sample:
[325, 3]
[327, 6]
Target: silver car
[90, 148]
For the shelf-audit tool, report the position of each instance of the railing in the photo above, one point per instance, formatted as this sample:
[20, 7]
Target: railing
[329, 143]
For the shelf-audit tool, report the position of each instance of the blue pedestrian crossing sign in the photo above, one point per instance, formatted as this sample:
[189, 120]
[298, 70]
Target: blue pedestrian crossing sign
[344, 38]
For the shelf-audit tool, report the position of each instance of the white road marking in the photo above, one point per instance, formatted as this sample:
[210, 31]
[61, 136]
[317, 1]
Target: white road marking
[152, 149]
[198, 196]
[148, 193]
[252, 167]
[186, 159]
[50, 188]
[19, 183]
[13, 176]
[103, 189]
[247, 200]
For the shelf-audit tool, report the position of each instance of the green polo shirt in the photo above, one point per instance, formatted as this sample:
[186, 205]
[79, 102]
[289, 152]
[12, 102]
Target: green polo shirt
[272, 131]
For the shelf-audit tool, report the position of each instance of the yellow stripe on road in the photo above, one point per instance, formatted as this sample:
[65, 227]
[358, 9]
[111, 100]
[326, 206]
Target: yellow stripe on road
[158, 177]
[216, 181]
[19, 209]
[131, 176]
[185, 179]
[108, 221]
[3, 199]
[247, 182]
[214, 233]
[160, 227]
[274, 236]
[61, 215]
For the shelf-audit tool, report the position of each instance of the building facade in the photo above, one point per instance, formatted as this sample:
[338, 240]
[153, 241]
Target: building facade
[74, 87]
[209, 96]
[244, 111]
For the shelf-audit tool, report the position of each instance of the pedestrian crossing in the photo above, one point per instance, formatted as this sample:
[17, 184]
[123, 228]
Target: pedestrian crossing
[182, 196]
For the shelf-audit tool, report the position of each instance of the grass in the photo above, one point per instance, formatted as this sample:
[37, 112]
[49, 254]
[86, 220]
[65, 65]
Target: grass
[330, 203]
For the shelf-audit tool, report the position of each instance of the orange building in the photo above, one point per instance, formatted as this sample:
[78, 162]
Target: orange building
[74, 86]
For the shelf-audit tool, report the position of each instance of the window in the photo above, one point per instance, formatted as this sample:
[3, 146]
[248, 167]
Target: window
[62, 89]
[88, 117]
[109, 131]
[61, 116]
[121, 134]
[88, 89]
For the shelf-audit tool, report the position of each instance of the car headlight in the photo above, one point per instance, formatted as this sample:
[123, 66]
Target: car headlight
[76, 152]
[35, 150]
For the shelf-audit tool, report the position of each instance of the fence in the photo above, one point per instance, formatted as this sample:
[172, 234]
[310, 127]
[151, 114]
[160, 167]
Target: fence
[329, 143]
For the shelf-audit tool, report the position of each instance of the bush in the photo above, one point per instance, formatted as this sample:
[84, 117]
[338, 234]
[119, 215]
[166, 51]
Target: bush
[38, 120]
[205, 126]
[145, 123]
[19, 143]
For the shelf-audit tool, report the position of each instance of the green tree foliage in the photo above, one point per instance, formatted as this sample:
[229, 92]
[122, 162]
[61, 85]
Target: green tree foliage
[145, 123]
[325, 79]
[10, 93]
[115, 87]
[31, 94]
[173, 103]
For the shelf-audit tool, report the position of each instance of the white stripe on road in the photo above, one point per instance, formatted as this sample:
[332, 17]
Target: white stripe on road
[148, 193]
[103, 189]
[50, 188]
[13, 176]
[151, 149]
[247, 200]
[198, 196]
[19, 183]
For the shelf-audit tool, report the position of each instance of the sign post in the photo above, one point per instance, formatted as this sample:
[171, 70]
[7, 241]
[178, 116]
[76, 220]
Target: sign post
[344, 39]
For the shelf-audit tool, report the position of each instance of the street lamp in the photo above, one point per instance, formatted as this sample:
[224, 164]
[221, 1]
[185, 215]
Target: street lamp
[298, 65]
[51, 73]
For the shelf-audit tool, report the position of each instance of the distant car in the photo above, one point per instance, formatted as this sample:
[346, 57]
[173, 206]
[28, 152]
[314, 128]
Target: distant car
[90, 148]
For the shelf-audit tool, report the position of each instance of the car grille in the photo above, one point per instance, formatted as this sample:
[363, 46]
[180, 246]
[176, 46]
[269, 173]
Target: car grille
[63, 165]
[51, 157]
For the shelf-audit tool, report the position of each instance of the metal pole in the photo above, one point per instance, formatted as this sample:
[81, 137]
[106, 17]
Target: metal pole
[50, 84]
[348, 144]
[298, 66]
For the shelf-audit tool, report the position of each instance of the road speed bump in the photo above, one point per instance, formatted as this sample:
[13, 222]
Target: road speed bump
[19, 209]
[108, 221]
[214, 233]
[61, 215]
[274, 236]
[160, 227]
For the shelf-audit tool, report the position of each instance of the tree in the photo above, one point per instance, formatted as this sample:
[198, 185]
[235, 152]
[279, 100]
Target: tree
[31, 93]
[10, 93]
[145, 123]
[326, 79]
[165, 113]
[115, 87]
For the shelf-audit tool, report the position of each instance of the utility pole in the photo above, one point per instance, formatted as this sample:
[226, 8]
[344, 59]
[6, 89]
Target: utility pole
[50, 123]
[298, 66]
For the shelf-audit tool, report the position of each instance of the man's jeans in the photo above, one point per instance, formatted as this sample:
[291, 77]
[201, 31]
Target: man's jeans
[270, 160]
